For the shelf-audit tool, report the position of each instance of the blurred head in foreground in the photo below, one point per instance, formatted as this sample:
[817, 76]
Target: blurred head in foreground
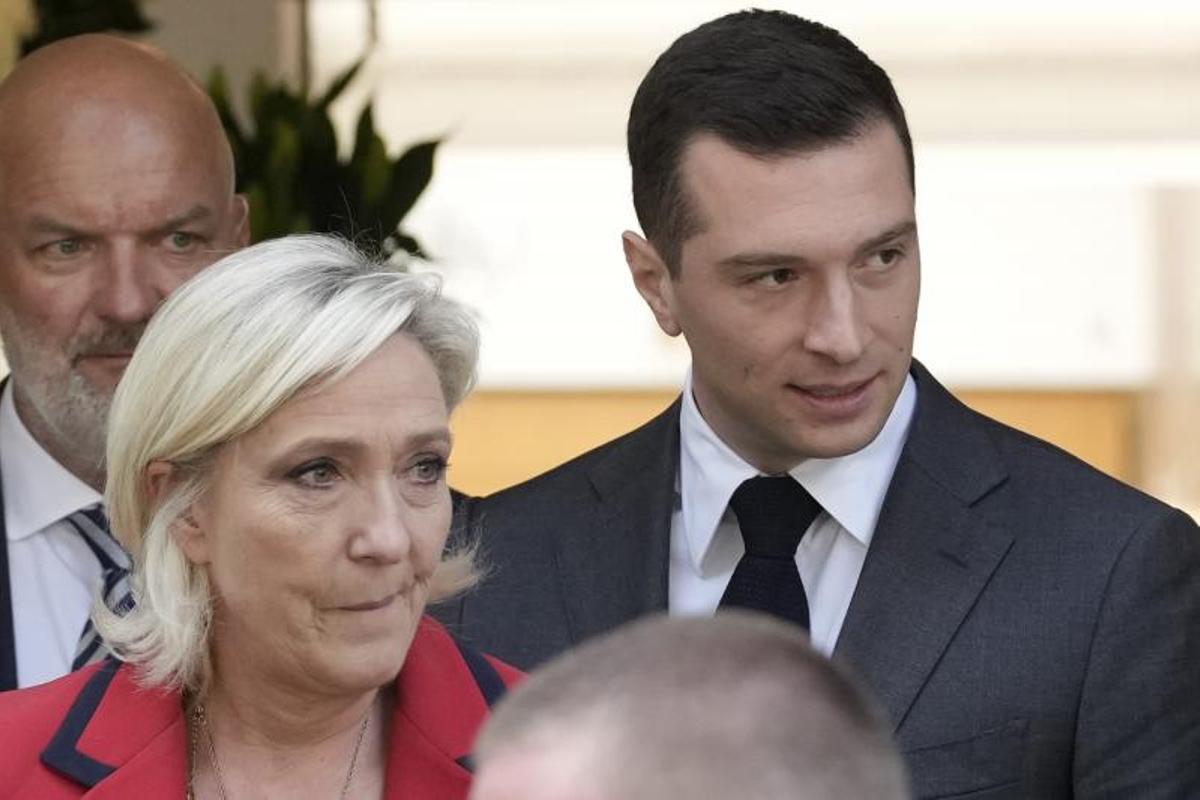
[736, 707]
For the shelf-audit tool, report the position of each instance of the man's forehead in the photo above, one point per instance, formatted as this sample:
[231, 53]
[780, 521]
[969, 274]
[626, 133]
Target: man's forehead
[132, 126]
[119, 185]
[93, 201]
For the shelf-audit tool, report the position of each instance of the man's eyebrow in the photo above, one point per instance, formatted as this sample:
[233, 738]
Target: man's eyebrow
[196, 213]
[770, 258]
[40, 223]
[43, 224]
[905, 228]
[763, 258]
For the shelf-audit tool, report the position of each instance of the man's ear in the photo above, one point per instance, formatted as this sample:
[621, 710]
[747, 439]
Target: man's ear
[241, 231]
[190, 535]
[652, 279]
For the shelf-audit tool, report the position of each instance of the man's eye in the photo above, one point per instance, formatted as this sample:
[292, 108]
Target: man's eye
[182, 240]
[776, 277]
[429, 469]
[64, 248]
[315, 474]
[885, 259]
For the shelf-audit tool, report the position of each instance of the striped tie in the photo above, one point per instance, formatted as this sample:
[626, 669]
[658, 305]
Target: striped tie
[114, 565]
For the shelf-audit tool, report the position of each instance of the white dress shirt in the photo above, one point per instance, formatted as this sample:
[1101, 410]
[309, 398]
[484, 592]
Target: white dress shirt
[52, 573]
[706, 543]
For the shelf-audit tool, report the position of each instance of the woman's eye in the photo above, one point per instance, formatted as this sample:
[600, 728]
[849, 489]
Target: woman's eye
[318, 474]
[429, 469]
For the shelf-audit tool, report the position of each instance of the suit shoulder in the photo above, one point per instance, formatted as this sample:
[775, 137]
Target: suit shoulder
[1040, 468]
[642, 445]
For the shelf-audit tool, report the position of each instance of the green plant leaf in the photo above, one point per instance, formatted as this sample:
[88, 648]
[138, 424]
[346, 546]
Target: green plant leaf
[402, 241]
[339, 84]
[278, 178]
[364, 132]
[58, 19]
[410, 176]
[296, 180]
[261, 225]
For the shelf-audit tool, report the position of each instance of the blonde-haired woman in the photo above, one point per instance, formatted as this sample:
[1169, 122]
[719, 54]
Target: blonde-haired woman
[276, 458]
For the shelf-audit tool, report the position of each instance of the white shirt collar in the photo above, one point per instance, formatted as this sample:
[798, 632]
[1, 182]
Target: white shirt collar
[850, 488]
[38, 491]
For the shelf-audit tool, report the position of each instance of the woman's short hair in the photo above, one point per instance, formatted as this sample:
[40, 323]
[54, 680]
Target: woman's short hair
[222, 354]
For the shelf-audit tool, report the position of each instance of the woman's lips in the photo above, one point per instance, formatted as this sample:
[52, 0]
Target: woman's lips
[372, 605]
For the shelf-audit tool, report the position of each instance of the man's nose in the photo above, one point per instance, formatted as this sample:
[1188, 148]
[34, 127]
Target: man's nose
[835, 328]
[131, 286]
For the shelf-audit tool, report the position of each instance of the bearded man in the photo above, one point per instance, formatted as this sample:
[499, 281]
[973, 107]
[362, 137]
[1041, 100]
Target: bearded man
[116, 185]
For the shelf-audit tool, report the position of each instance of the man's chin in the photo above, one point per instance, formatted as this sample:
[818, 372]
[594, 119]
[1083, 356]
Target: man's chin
[836, 441]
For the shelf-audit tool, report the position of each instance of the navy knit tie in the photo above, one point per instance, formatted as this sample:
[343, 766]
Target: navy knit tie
[773, 514]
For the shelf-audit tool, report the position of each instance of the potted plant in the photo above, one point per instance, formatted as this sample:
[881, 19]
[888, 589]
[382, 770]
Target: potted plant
[289, 167]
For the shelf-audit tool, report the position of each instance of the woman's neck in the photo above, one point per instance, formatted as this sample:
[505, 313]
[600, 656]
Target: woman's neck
[275, 717]
[268, 740]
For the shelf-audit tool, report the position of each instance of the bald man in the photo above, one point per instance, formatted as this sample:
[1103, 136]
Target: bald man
[733, 707]
[116, 185]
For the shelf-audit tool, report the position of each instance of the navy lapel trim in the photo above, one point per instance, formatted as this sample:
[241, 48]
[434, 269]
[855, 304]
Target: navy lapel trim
[486, 677]
[490, 684]
[62, 754]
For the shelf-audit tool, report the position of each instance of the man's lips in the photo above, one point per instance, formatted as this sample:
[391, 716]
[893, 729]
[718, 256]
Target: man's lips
[114, 356]
[832, 391]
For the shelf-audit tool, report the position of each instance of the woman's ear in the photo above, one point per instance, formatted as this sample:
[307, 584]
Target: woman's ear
[191, 536]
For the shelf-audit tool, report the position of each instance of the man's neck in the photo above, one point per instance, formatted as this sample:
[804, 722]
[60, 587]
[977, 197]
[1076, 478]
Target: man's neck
[86, 467]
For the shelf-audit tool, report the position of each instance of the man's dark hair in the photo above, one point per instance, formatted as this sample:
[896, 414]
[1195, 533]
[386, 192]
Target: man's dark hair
[765, 82]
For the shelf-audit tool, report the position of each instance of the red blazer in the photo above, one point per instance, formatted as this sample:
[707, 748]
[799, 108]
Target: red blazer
[95, 734]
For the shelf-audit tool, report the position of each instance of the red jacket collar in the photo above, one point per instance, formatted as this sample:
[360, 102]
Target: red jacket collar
[126, 741]
[115, 728]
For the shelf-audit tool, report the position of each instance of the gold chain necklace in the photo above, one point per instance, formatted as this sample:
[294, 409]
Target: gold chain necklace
[198, 725]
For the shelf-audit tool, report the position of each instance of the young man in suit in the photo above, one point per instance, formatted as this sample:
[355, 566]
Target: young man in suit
[116, 185]
[1031, 627]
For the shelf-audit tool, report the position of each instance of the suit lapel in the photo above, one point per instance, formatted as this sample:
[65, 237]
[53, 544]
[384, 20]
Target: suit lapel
[932, 554]
[614, 569]
[8, 639]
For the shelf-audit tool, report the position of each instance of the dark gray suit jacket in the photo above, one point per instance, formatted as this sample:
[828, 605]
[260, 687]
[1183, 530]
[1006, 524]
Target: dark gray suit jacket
[8, 648]
[1031, 626]
[8, 644]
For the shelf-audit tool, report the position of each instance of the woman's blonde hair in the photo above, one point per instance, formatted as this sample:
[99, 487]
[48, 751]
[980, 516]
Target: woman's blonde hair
[222, 354]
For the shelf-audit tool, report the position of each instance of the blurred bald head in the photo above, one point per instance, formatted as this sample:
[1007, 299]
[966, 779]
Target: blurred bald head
[116, 185]
[737, 707]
